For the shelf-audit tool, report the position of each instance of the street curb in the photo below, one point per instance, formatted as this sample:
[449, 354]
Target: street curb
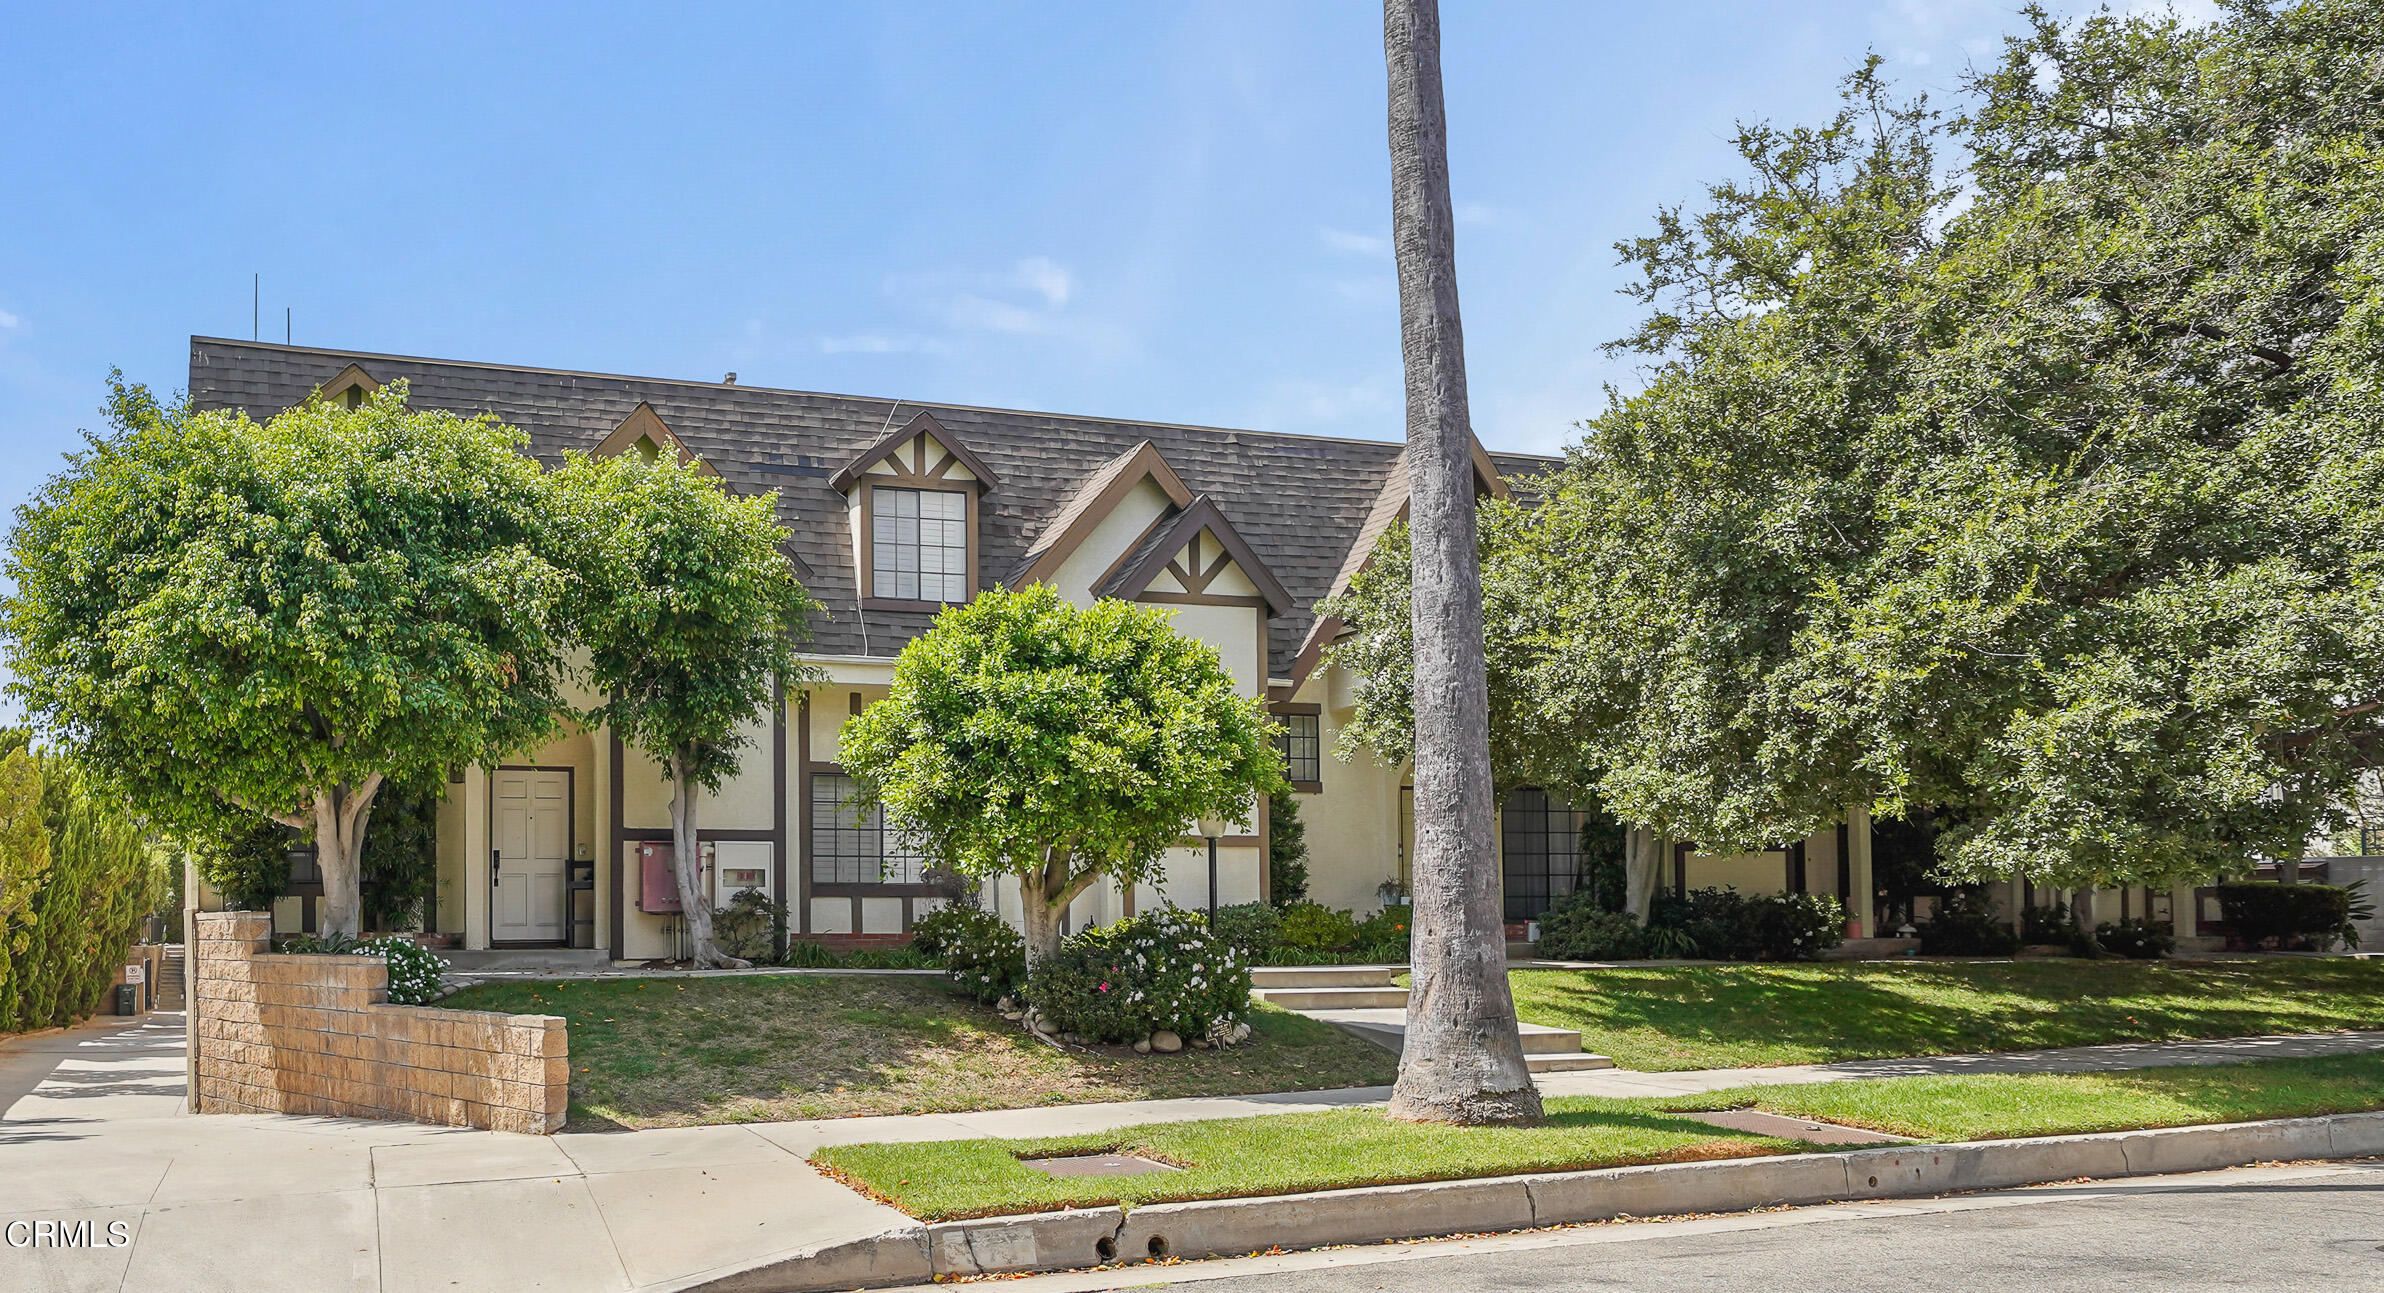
[1051, 1241]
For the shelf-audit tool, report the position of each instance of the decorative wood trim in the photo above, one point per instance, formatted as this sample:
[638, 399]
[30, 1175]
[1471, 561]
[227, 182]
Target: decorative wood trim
[901, 604]
[643, 423]
[778, 803]
[917, 471]
[734, 834]
[1294, 707]
[1202, 515]
[618, 916]
[1202, 599]
[865, 890]
[1143, 462]
[802, 828]
[351, 380]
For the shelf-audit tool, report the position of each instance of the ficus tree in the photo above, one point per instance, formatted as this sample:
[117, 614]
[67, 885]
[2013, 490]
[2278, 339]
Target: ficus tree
[688, 612]
[1026, 737]
[218, 614]
[1462, 1061]
[2023, 463]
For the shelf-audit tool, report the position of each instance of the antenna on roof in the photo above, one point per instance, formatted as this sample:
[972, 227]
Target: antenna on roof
[255, 305]
[285, 325]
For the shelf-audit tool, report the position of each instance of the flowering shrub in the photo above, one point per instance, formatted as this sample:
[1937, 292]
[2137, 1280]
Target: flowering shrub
[982, 955]
[1251, 928]
[1384, 935]
[416, 974]
[1159, 970]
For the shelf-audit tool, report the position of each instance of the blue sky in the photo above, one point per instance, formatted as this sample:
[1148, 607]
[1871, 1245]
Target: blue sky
[1176, 213]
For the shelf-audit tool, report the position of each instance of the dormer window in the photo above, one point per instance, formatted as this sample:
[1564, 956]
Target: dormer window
[912, 498]
[919, 544]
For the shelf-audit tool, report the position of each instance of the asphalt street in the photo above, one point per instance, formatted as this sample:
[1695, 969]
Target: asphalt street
[2295, 1227]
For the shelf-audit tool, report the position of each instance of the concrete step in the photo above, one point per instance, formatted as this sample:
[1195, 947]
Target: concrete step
[1539, 1039]
[1333, 998]
[1322, 976]
[1574, 1062]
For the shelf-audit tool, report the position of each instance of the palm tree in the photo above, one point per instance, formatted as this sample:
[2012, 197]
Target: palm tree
[1463, 1058]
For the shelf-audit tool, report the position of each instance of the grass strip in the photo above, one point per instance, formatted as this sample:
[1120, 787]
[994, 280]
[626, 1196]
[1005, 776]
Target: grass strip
[662, 1052]
[1727, 1016]
[1289, 1153]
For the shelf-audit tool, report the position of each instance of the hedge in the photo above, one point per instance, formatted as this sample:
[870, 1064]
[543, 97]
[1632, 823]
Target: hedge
[77, 877]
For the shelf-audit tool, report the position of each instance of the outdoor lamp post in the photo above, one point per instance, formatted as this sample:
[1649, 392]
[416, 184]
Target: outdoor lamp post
[1210, 829]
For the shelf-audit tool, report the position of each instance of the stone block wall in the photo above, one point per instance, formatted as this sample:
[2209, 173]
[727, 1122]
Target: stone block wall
[316, 1034]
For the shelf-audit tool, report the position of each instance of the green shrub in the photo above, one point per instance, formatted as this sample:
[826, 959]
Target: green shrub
[1579, 928]
[1252, 928]
[2040, 926]
[248, 864]
[2136, 937]
[982, 955]
[1314, 927]
[416, 975]
[2287, 916]
[1159, 970]
[399, 868]
[1965, 925]
[1287, 851]
[1726, 925]
[1392, 926]
[748, 927]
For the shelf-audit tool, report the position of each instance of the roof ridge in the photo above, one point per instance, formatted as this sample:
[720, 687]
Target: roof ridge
[834, 395]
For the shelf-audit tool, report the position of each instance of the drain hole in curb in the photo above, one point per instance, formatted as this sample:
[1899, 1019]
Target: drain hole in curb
[1105, 1248]
[1157, 1247]
[1874, 1182]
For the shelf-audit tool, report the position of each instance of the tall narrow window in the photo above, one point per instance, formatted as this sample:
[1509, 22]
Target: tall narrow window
[1302, 745]
[1542, 839]
[919, 545]
[849, 840]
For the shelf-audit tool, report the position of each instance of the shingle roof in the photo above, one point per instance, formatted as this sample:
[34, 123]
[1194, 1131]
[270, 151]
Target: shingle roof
[1300, 502]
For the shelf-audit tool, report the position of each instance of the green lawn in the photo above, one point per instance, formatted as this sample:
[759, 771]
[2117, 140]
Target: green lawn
[658, 1053]
[1288, 1153]
[1275, 1154]
[1725, 1016]
[2001, 1106]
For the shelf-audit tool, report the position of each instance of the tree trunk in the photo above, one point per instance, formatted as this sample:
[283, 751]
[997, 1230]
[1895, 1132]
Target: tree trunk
[687, 864]
[1041, 918]
[341, 813]
[1462, 1060]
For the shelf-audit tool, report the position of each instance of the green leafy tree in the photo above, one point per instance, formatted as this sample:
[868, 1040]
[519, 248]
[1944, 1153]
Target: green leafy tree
[689, 611]
[1024, 736]
[219, 614]
[2023, 464]
[66, 922]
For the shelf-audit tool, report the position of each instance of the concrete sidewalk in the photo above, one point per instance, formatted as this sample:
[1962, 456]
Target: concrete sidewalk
[91, 1128]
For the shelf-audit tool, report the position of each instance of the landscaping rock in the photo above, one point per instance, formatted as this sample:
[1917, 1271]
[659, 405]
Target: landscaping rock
[1143, 1047]
[1166, 1043]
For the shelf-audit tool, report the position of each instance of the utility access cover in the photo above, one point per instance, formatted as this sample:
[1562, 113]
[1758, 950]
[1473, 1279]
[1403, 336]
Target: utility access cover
[1099, 1165]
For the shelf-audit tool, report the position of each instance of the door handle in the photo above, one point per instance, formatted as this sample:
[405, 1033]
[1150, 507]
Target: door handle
[495, 858]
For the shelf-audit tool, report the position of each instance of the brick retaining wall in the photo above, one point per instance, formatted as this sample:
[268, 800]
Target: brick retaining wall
[316, 1034]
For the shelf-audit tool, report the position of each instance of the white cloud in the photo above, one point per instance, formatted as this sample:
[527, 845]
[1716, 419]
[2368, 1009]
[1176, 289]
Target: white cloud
[1355, 244]
[973, 313]
[878, 343]
[8, 320]
[1047, 279]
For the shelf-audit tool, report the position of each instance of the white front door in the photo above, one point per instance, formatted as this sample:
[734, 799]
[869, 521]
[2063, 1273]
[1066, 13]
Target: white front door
[533, 832]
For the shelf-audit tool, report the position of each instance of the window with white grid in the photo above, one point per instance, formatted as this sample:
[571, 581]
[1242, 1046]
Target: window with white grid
[919, 545]
[849, 840]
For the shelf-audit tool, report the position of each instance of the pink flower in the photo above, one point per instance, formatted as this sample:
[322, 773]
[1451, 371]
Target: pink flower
[1104, 987]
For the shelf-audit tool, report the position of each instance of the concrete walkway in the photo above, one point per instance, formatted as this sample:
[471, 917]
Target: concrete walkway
[91, 1129]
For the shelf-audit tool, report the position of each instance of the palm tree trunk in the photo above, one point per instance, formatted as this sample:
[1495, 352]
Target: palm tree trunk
[1462, 1059]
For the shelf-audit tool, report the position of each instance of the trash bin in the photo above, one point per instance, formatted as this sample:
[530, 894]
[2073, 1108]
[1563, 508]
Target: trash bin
[128, 998]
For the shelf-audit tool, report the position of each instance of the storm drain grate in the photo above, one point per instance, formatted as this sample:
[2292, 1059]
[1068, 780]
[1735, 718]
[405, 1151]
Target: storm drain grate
[1099, 1165]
